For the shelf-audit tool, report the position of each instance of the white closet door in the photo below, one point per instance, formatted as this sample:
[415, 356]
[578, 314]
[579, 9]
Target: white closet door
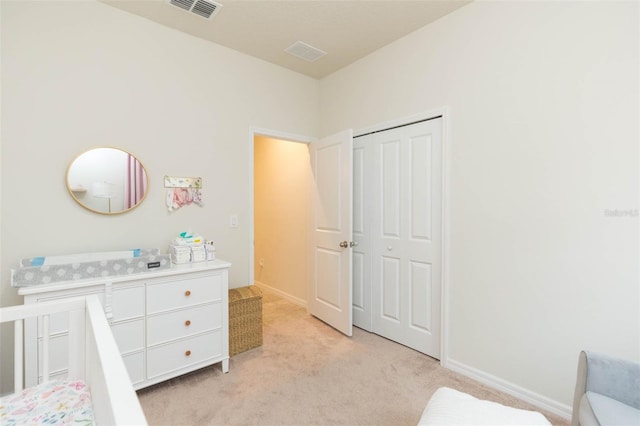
[362, 157]
[403, 185]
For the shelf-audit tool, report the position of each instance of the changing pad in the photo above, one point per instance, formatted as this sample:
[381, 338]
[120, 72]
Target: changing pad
[43, 270]
[56, 402]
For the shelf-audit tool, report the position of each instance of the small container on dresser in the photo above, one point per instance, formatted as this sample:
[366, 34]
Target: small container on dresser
[166, 323]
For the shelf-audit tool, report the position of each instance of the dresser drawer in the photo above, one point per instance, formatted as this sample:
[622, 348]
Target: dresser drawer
[182, 293]
[129, 335]
[127, 303]
[135, 366]
[176, 324]
[183, 353]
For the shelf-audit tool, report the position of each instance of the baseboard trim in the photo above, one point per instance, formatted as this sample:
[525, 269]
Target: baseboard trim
[533, 398]
[282, 294]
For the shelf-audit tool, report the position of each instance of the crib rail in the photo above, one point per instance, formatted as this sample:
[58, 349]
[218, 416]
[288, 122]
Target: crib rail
[93, 356]
[43, 311]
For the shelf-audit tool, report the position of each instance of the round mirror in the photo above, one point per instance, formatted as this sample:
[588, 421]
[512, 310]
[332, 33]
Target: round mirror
[107, 180]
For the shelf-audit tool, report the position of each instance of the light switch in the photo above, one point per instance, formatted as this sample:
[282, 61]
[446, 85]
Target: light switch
[233, 221]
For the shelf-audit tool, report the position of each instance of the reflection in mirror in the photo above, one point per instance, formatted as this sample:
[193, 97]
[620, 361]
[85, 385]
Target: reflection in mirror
[107, 180]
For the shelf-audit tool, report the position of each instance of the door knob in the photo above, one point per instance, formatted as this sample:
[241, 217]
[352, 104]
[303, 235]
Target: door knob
[344, 244]
[353, 243]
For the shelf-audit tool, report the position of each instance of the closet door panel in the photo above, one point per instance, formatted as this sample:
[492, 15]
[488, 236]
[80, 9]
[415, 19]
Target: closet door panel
[361, 229]
[390, 289]
[358, 282]
[420, 175]
[421, 290]
[358, 230]
[359, 182]
[390, 186]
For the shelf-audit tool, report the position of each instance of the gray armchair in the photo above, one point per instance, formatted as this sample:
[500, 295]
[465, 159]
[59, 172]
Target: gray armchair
[607, 391]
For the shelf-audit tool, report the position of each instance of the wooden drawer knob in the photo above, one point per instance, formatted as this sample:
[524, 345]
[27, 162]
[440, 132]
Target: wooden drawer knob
[187, 353]
[187, 323]
[187, 293]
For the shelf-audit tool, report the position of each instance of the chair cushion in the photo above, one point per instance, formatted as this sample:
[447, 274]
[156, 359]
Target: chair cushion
[585, 413]
[451, 407]
[608, 411]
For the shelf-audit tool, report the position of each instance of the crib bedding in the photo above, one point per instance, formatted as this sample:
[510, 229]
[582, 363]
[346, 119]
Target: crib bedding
[56, 402]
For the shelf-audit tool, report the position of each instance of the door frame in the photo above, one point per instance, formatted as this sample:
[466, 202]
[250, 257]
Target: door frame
[276, 134]
[445, 225]
[444, 112]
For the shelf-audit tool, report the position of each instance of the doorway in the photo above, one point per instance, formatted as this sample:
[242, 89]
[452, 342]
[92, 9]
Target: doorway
[280, 218]
[436, 322]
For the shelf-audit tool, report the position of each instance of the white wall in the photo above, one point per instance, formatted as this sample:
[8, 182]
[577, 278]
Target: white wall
[77, 75]
[543, 139]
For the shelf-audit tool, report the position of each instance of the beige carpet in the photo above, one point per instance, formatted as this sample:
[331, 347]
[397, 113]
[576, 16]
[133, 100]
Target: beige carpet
[306, 373]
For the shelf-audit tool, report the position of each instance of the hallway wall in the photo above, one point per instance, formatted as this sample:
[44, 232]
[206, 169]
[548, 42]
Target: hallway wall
[281, 200]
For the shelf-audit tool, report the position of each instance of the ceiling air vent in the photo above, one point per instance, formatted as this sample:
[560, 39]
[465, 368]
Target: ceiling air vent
[205, 8]
[304, 51]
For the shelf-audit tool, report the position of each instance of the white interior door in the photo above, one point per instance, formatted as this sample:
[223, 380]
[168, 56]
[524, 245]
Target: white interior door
[329, 295]
[403, 203]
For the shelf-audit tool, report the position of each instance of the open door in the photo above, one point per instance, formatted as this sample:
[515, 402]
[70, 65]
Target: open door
[329, 295]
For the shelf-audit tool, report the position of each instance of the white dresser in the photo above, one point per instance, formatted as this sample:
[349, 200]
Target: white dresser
[166, 323]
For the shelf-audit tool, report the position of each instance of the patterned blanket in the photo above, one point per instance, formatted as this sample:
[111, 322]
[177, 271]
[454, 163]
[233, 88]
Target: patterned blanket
[56, 402]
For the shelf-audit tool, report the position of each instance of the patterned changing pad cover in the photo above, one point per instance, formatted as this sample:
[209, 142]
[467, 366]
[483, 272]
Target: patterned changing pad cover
[32, 271]
[56, 402]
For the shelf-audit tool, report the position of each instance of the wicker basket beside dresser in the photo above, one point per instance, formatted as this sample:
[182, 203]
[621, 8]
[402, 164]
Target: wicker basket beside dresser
[245, 319]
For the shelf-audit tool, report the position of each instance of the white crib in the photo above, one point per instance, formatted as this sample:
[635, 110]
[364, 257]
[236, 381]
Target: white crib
[94, 357]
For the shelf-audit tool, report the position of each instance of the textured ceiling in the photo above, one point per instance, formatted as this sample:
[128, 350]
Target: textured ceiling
[346, 30]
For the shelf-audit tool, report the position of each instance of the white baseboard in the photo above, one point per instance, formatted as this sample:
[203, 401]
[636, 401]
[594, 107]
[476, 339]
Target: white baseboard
[540, 401]
[280, 293]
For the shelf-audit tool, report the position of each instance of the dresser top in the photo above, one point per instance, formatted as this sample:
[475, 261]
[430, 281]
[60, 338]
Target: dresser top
[173, 270]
